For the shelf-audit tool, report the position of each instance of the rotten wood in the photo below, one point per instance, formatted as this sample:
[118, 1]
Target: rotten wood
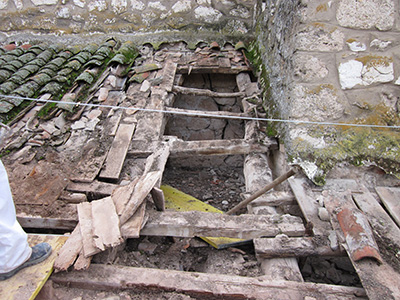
[135, 224]
[46, 223]
[106, 225]
[262, 191]
[95, 187]
[82, 262]
[69, 251]
[390, 198]
[169, 72]
[180, 148]
[197, 223]
[142, 189]
[309, 207]
[122, 194]
[185, 69]
[86, 228]
[379, 279]
[202, 285]
[119, 148]
[158, 198]
[204, 92]
[205, 114]
[284, 246]
[273, 198]
[377, 216]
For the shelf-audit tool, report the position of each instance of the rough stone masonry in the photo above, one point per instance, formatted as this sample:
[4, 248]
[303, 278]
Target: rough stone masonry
[321, 61]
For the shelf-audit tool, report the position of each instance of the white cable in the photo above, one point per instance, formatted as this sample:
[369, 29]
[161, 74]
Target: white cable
[204, 114]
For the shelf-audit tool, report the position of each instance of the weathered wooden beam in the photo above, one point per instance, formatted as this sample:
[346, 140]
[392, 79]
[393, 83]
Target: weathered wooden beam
[273, 198]
[112, 277]
[204, 92]
[95, 187]
[119, 148]
[309, 207]
[205, 114]
[390, 197]
[196, 223]
[283, 246]
[180, 148]
[47, 223]
[185, 69]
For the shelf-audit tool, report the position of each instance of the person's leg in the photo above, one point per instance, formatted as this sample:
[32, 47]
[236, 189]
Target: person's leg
[14, 248]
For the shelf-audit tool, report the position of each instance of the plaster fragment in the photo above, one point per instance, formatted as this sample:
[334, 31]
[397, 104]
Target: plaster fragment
[357, 46]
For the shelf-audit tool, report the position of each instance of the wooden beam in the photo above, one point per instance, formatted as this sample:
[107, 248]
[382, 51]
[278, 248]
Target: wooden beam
[377, 216]
[309, 207]
[205, 114]
[202, 284]
[283, 246]
[197, 223]
[185, 69]
[390, 197]
[205, 92]
[47, 223]
[180, 148]
[95, 187]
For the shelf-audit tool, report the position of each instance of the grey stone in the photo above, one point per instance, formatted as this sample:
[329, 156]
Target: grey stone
[323, 214]
[333, 275]
[366, 14]
[207, 14]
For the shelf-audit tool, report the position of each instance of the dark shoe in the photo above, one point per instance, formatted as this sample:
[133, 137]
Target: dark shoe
[39, 253]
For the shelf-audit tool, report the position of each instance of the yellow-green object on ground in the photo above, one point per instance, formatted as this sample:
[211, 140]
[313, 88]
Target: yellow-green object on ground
[179, 201]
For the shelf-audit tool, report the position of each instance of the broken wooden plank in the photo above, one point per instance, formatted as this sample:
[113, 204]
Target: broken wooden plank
[273, 198]
[142, 189]
[46, 223]
[68, 197]
[85, 224]
[135, 223]
[106, 225]
[116, 156]
[158, 198]
[309, 207]
[169, 72]
[205, 92]
[95, 187]
[69, 251]
[284, 246]
[122, 194]
[91, 161]
[198, 223]
[82, 262]
[377, 216]
[390, 198]
[202, 284]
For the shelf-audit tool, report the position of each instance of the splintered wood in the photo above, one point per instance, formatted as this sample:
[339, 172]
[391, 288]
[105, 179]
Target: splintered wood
[100, 222]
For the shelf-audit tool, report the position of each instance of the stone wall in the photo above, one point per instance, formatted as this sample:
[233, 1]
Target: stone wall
[126, 16]
[333, 61]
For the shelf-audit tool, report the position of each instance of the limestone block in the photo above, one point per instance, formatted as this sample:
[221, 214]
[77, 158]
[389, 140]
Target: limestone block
[44, 2]
[182, 6]
[380, 45]
[157, 5]
[64, 13]
[99, 5]
[207, 14]
[19, 4]
[241, 12]
[366, 14]
[316, 103]
[119, 6]
[137, 4]
[3, 4]
[320, 37]
[365, 71]
[309, 68]
[80, 3]
[356, 46]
